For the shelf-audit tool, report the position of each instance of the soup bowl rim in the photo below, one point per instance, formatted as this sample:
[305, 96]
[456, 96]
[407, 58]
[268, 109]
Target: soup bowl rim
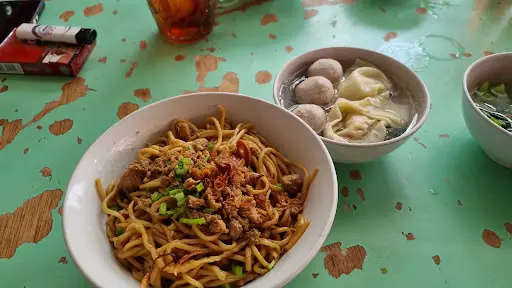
[467, 94]
[426, 98]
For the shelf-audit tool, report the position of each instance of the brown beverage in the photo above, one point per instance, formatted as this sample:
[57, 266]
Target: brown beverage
[184, 21]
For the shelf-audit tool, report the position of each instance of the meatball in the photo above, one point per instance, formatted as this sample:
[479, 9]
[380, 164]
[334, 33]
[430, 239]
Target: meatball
[313, 115]
[184, 131]
[314, 90]
[328, 68]
[292, 183]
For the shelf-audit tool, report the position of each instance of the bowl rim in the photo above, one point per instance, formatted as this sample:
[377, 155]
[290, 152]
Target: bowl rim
[468, 71]
[402, 137]
[308, 257]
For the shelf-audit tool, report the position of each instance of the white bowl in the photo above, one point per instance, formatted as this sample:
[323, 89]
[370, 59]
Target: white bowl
[399, 73]
[494, 140]
[84, 221]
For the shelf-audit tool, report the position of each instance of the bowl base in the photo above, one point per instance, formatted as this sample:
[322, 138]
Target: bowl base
[497, 160]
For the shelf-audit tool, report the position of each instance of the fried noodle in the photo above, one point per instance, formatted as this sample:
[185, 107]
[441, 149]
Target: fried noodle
[205, 207]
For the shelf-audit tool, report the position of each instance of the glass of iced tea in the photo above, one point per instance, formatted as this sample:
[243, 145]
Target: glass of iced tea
[186, 21]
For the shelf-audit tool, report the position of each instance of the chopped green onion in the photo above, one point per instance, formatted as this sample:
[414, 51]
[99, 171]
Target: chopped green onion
[115, 208]
[182, 202]
[179, 196]
[484, 87]
[156, 196]
[272, 264]
[200, 187]
[162, 210]
[119, 231]
[174, 192]
[182, 166]
[488, 95]
[497, 121]
[168, 163]
[226, 285]
[177, 178]
[499, 90]
[193, 221]
[207, 158]
[208, 210]
[280, 186]
[210, 146]
[237, 270]
[180, 170]
[176, 212]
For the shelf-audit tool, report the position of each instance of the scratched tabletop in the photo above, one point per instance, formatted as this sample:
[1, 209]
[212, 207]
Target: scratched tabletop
[435, 213]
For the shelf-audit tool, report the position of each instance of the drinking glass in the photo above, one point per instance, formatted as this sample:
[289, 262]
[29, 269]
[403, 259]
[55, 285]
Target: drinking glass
[186, 21]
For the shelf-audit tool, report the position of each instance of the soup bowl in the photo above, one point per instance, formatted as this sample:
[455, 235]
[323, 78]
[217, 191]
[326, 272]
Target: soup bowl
[396, 71]
[84, 222]
[493, 139]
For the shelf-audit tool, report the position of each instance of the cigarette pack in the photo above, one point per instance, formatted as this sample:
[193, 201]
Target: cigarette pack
[42, 58]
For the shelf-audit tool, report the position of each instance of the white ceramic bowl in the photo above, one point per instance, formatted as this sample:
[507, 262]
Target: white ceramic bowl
[399, 73]
[494, 140]
[84, 221]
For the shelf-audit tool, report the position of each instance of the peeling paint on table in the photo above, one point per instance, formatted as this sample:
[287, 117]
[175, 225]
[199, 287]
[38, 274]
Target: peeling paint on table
[435, 213]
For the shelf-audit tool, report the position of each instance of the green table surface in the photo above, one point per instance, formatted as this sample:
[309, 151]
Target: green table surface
[435, 213]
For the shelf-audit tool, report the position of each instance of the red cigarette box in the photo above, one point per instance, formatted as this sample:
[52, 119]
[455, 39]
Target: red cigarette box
[42, 58]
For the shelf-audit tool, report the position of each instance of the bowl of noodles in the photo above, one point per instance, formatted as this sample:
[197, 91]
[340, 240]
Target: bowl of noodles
[200, 190]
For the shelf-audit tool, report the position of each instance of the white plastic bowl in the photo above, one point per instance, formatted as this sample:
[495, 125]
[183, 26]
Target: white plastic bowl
[494, 140]
[84, 221]
[399, 73]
